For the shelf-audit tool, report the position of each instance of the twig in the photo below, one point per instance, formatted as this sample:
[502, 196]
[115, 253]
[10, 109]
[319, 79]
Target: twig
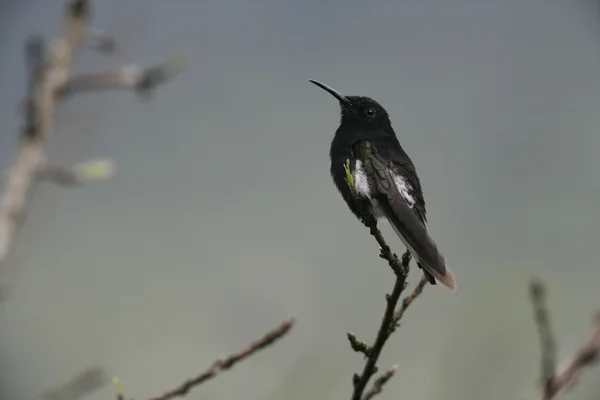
[80, 386]
[142, 80]
[391, 317]
[358, 345]
[379, 382]
[400, 268]
[387, 325]
[548, 344]
[224, 364]
[409, 299]
[94, 170]
[557, 382]
[35, 55]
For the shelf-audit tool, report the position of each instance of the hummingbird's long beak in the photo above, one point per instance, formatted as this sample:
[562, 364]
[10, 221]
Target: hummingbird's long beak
[341, 98]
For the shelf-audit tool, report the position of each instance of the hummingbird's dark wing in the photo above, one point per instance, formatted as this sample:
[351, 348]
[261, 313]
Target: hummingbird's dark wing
[386, 190]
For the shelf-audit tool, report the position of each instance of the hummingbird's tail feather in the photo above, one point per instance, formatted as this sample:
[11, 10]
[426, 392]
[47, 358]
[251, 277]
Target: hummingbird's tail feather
[417, 240]
[393, 203]
[448, 280]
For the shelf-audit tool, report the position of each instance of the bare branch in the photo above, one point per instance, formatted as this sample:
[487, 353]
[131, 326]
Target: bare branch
[548, 344]
[390, 318]
[80, 386]
[40, 112]
[387, 325]
[221, 365]
[557, 382]
[48, 78]
[358, 345]
[91, 171]
[379, 382]
[408, 300]
[35, 55]
[588, 354]
[141, 80]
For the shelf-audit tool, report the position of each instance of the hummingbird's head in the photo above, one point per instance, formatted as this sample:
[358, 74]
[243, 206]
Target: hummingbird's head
[359, 110]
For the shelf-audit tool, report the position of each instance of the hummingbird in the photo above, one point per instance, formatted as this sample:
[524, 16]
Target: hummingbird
[385, 182]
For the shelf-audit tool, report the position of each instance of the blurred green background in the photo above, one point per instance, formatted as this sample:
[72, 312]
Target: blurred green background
[223, 221]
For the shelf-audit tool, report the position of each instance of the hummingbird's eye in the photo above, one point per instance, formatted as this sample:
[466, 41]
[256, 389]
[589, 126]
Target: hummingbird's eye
[370, 112]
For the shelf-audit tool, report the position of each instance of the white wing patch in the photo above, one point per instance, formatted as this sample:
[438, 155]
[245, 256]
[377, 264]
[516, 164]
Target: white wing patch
[405, 189]
[361, 183]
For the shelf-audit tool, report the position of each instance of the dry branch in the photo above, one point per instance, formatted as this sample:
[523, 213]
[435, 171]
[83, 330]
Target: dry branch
[379, 382]
[142, 80]
[558, 381]
[221, 365]
[390, 320]
[409, 299]
[48, 80]
[40, 108]
[80, 386]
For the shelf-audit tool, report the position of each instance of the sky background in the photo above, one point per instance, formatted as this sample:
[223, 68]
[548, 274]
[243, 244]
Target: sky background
[223, 221]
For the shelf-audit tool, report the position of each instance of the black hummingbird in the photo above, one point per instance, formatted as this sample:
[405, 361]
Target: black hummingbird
[385, 181]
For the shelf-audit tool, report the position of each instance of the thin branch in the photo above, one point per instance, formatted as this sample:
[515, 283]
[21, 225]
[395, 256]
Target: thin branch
[379, 382]
[408, 300]
[390, 318]
[386, 327]
[221, 365]
[358, 345]
[557, 382]
[80, 386]
[40, 110]
[142, 80]
[35, 55]
[91, 171]
[547, 341]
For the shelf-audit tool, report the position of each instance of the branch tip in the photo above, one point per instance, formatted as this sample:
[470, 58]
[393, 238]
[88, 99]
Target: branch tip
[358, 346]
[380, 382]
[228, 362]
[555, 382]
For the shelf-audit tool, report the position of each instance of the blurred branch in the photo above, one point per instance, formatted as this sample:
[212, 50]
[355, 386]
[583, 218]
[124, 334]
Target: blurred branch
[142, 80]
[379, 382]
[548, 344]
[48, 77]
[390, 320]
[41, 105]
[558, 381]
[80, 386]
[90, 171]
[221, 365]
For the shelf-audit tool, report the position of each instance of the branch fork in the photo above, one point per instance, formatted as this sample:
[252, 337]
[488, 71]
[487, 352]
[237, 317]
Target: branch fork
[556, 382]
[49, 80]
